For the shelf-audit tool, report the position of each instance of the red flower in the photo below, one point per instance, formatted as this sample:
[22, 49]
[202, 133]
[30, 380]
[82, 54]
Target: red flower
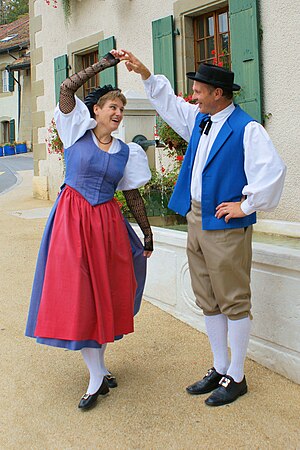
[179, 157]
[213, 52]
[215, 61]
[220, 64]
[188, 98]
[163, 169]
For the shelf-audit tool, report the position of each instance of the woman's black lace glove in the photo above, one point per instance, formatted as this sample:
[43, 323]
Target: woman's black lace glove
[70, 85]
[137, 207]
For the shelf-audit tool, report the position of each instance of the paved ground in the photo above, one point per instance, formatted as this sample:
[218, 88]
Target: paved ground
[41, 386]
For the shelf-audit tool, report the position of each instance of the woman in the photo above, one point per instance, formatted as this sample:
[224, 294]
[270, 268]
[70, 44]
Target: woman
[91, 267]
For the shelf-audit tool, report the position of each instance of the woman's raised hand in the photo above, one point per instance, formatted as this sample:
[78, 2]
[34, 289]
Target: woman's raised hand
[132, 63]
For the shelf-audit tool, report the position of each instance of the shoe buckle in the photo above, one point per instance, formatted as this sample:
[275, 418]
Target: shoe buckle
[208, 372]
[85, 396]
[225, 382]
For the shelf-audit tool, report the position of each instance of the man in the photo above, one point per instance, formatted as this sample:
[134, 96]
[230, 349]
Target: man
[231, 170]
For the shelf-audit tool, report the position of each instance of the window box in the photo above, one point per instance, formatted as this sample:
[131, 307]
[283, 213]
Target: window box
[9, 149]
[21, 147]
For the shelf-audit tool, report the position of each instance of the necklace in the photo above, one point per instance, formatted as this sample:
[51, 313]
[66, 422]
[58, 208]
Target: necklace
[104, 143]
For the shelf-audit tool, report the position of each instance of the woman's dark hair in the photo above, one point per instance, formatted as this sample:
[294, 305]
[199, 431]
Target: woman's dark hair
[100, 95]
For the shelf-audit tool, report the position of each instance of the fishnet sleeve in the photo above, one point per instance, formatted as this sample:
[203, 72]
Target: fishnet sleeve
[137, 207]
[70, 85]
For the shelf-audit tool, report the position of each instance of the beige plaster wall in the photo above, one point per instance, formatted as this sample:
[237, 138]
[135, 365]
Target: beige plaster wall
[281, 87]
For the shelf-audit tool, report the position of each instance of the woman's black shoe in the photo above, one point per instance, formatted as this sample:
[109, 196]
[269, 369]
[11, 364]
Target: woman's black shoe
[89, 400]
[111, 380]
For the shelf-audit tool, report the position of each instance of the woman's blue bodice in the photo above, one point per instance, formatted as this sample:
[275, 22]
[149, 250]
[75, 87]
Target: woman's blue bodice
[93, 172]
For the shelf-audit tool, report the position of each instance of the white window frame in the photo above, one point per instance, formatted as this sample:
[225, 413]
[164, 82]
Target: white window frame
[5, 81]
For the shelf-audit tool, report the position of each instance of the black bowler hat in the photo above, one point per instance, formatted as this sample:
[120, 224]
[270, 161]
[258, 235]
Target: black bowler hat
[214, 75]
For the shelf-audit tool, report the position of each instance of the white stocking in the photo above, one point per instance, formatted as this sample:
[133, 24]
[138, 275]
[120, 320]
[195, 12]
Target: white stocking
[94, 359]
[216, 327]
[101, 358]
[239, 334]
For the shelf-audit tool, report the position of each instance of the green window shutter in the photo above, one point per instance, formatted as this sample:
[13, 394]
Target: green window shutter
[11, 81]
[61, 72]
[12, 132]
[164, 48]
[108, 76]
[244, 37]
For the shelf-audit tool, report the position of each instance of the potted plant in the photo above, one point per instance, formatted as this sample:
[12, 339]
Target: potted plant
[21, 147]
[53, 141]
[8, 149]
[175, 144]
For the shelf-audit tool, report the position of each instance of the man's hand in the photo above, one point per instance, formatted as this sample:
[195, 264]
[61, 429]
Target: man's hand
[132, 63]
[231, 210]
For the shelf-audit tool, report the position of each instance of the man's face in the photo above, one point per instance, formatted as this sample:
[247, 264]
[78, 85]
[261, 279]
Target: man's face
[205, 97]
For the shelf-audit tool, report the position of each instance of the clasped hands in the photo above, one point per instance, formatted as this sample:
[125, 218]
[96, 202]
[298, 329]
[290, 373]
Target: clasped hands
[132, 62]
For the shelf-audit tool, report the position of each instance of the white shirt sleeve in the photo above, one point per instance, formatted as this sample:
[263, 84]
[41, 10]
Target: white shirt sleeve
[265, 171]
[174, 110]
[137, 172]
[73, 125]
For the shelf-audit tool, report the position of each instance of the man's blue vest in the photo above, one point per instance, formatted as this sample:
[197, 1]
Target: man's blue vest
[223, 176]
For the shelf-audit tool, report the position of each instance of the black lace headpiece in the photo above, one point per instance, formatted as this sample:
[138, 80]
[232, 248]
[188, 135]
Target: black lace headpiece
[92, 98]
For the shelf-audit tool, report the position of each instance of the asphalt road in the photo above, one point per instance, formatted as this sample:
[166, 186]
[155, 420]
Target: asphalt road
[9, 168]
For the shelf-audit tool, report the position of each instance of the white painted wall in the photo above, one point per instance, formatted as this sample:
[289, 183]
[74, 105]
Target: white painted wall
[281, 87]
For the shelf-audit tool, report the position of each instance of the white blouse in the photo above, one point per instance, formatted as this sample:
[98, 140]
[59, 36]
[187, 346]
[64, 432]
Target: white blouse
[72, 126]
[264, 169]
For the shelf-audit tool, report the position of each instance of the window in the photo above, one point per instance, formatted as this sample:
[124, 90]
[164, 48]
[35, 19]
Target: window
[212, 39]
[88, 60]
[4, 131]
[5, 81]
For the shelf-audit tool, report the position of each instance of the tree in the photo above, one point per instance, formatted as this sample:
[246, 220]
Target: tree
[10, 10]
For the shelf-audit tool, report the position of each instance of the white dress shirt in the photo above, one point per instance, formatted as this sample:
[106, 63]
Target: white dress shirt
[264, 169]
[72, 126]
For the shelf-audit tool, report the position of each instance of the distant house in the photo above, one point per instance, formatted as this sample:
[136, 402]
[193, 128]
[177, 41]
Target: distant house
[15, 87]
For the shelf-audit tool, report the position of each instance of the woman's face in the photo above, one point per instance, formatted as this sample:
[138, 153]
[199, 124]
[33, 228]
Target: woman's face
[110, 115]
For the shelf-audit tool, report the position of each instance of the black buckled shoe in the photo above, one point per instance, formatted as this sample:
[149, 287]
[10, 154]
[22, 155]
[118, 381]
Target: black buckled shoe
[88, 400]
[227, 392]
[207, 384]
[111, 380]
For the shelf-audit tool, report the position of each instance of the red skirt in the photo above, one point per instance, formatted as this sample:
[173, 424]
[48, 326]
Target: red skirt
[89, 285]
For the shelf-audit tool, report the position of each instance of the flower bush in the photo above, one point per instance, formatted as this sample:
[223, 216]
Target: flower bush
[157, 192]
[53, 141]
[222, 59]
[174, 143]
